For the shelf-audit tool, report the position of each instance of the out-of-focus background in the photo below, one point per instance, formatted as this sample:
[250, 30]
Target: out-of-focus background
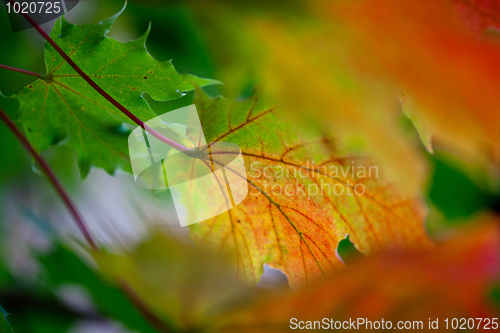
[121, 215]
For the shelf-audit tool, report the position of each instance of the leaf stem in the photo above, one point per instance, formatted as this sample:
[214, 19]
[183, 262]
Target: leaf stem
[21, 71]
[53, 179]
[126, 288]
[104, 94]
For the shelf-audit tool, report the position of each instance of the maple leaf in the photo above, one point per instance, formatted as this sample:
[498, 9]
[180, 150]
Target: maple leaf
[347, 62]
[452, 280]
[304, 196]
[62, 108]
[408, 43]
[303, 61]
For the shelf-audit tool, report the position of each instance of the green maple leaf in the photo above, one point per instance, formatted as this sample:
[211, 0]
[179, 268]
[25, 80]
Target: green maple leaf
[62, 108]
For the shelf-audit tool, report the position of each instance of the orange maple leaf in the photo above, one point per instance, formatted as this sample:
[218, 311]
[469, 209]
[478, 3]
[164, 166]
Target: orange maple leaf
[451, 281]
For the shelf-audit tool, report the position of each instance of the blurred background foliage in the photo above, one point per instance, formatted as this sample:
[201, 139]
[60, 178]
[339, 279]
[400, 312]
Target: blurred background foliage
[49, 288]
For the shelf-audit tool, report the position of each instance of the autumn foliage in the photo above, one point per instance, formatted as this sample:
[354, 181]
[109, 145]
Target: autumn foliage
[370, 134]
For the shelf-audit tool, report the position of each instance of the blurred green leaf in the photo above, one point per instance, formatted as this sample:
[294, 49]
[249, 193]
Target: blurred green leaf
[14, 157]
[454, 193]
[184, 285]
[64, 267]
[22, 50]
[348, 252]
[495, 295]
